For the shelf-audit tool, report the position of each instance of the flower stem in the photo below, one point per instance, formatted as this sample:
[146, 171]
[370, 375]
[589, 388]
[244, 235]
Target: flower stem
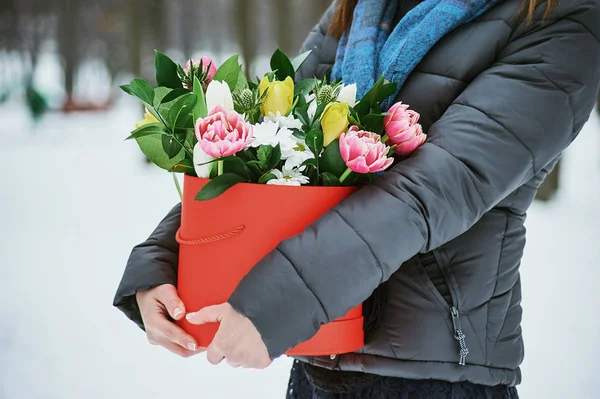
[177, 185]
[347, 173]
[220, 167]
[385, 138]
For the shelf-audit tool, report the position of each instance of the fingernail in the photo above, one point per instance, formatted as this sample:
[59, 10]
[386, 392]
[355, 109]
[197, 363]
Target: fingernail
[190, 316]
[177, 312]
[191, 346]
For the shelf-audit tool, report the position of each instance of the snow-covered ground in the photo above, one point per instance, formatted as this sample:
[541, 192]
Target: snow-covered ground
[75, 198]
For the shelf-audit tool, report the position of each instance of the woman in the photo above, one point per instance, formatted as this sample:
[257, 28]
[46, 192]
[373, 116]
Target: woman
[503, 87]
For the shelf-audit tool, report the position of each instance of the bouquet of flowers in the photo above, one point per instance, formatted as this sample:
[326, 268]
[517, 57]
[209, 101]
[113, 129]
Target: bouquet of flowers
[213, 123]
[253, 149]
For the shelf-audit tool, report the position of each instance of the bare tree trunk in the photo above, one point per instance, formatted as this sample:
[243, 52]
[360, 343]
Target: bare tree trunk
[134, 34]
[284, 30]
[189, 27]
[68, 38]
[156, 22]
[246, 38]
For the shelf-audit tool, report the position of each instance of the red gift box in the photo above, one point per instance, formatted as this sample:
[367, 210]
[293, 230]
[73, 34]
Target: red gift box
[223, 238]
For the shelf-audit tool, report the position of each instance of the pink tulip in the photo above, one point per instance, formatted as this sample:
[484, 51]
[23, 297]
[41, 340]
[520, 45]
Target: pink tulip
[209, 67]
[403, 130]
[408, 146]
[363, 152]
[223, 133]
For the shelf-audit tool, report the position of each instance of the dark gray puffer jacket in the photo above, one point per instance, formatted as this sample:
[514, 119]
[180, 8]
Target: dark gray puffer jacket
[443, 230]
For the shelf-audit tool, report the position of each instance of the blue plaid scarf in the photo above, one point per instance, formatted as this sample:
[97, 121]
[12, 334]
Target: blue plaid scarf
[371, 48]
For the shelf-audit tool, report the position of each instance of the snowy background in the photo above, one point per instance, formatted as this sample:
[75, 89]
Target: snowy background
[76, 198]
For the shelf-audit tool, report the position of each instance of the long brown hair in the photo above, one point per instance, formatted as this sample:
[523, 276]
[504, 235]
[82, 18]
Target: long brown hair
[342, 18]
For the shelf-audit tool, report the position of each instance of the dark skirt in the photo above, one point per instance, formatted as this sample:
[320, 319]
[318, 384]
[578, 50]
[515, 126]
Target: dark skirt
[308, 382]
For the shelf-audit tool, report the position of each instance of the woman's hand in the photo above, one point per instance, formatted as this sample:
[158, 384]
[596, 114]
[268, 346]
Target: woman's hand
[156, 305]
[237, 340]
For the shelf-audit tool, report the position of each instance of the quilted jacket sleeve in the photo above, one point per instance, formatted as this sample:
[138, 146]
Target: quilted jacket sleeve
[507, 125]
[151, 263]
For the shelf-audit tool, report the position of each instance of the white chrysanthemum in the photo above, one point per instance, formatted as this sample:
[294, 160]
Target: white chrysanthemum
[288, 177]
[284, 121]
[269, 133]
[301, 154]
[264, 134]
[287, 142]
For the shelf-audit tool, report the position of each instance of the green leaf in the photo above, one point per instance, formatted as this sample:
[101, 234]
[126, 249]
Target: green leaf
[242, 82]
[302, 115]
[354, 118]
[264, 156]
[173, 94]
[229, 72]
[190, 137]
[300, 101]
[332, 161]
[314, 141]
[218, 186]
[166, 72]
[373, 123]
[253, 163]
[299, 60]
[171, 146]
[127, 89]
[142, 90]
[180, 112]
[200, 110]
[299, 134]
[236, 165]
[330, 179]
[185, 166]
[255, 168]
[304, 87]
[275, 157]
[147, 130]
[152, 148]
[159, 94]
[379, 92]
[364, 106]
[386, 91]
[318, 113]
[311, 162]
[281, 64]
[266, 177]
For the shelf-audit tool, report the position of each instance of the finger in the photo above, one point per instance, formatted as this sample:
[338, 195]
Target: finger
[178, 350]
[213, 355]
[210, 314]
[233, 364]
[167, 295]
[175, 334]
[263, 364]
[257, 363]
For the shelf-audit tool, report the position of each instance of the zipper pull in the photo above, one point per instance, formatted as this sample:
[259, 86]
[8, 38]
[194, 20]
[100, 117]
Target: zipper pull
[459, 336]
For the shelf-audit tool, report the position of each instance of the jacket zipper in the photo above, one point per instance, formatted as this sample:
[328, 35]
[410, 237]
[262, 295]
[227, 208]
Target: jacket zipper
[459, 335]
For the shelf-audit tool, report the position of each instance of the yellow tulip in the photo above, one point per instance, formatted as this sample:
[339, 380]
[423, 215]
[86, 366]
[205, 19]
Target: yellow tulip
[148, 118]
[280, 96]
[334, 121]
